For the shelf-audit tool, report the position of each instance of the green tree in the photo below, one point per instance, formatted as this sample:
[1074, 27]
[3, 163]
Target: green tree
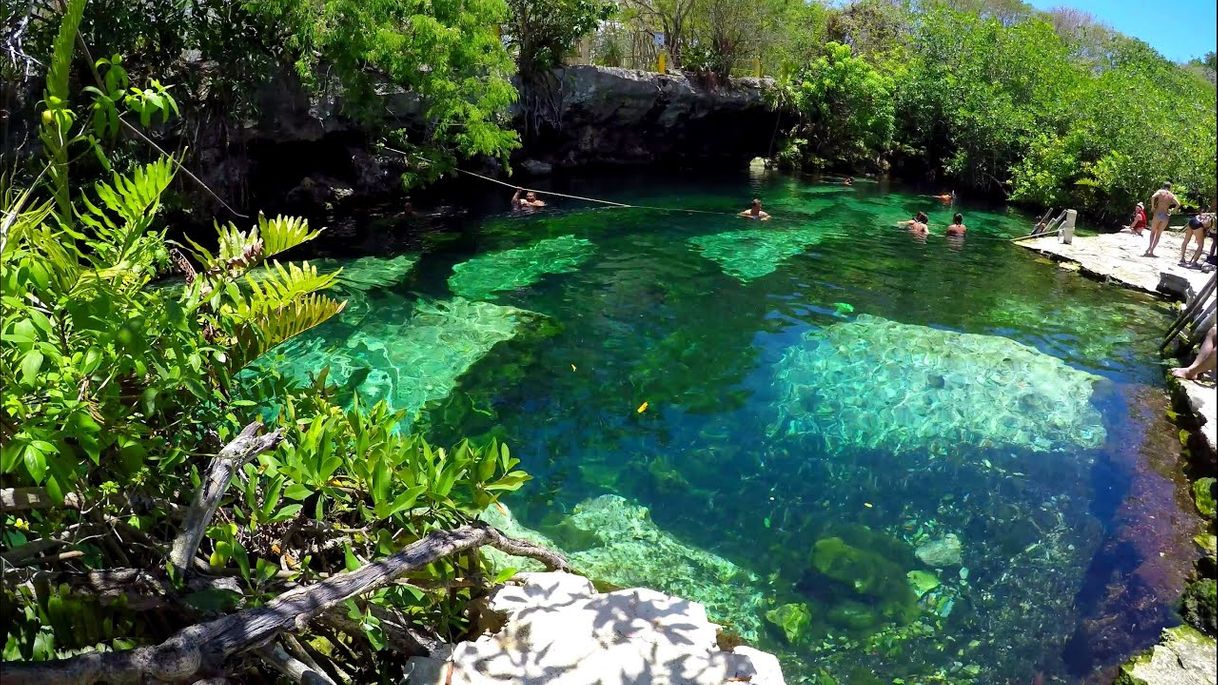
[845, 111]
[542, 32]
[138, 512]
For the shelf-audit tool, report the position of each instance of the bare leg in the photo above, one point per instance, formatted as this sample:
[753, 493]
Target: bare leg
[1200, 246]
[1188, 238]
[1205, 359]
[1156, 231]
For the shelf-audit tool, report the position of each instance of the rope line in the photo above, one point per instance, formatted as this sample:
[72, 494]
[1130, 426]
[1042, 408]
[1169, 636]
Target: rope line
[609, 203]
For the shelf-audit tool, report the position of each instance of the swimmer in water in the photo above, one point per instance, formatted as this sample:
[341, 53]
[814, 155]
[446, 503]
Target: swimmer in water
[946, 198]
[754, 212]
[849, 181]
[957, 227]
[917, 225]
[523, 200]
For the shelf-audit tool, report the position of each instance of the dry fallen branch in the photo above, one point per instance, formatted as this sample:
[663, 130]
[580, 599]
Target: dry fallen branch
[219, 472]
[203, 649]
[21, 499]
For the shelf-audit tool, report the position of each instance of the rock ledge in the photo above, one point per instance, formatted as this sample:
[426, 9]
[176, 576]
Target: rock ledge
[558, 629]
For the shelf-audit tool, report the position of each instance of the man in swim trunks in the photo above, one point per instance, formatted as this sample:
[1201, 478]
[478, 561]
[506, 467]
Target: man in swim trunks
[957, 228]
[754, 212]
[1139, 220]
[1195, 230]
[1161, 204]
[528, 201]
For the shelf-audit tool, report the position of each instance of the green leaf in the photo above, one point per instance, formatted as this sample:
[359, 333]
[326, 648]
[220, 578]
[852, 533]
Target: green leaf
[30, 365]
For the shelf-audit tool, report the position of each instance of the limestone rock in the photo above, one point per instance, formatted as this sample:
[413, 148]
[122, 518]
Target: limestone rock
[940, 552]
[559, 630]
[608, 115]
[1183, 657]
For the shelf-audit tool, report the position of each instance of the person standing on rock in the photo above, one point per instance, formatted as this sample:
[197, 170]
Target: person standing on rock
[1161, 204]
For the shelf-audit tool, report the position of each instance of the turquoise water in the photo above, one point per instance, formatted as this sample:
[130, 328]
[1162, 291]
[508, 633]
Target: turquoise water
[888, 458]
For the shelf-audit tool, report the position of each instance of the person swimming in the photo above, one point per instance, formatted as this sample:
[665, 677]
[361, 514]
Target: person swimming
[918, 225]
[523, 200]
[755, 212]
[849, 181]
[957, 227]
[946, 198]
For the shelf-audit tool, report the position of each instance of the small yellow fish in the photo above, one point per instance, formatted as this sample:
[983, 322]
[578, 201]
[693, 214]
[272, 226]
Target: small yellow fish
[642, 408]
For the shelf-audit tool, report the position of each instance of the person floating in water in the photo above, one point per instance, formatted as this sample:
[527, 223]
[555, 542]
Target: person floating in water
[1161, 204]
[957, 228]
[946, 198]
[1196, 230]
[917, 225]
[523, 200]
[849, 181]
[754, 212]
[1139, 220]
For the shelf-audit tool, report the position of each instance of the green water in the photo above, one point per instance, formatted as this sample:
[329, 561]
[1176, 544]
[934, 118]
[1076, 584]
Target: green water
[873, 455]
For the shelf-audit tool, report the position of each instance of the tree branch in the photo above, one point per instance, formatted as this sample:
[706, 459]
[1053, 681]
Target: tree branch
[21, 499]
[219, 472]
[290, 666]
[203, 649]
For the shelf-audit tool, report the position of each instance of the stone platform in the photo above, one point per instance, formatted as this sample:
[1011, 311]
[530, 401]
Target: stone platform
[1118, 257]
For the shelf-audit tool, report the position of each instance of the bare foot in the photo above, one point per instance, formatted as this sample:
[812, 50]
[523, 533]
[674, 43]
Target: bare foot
[1182, 372]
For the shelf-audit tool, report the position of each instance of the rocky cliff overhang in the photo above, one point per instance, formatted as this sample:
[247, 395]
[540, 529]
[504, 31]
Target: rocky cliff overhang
[589, 115]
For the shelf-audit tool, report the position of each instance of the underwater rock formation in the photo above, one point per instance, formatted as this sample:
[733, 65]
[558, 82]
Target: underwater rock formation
[558, 630]
[755, 252]
[881, 384]
[613, 541]
[486, 274]
[407, 362]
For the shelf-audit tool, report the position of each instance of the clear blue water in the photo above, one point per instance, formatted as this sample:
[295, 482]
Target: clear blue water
[806, 379]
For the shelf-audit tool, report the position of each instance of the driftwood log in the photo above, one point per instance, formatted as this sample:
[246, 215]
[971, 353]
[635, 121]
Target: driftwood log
[202, 650]
[247, 445]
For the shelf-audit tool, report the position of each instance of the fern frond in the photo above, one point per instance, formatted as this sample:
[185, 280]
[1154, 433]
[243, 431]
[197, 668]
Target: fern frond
[125, 210]
[276, 285]
[283, 233]
[272, 327]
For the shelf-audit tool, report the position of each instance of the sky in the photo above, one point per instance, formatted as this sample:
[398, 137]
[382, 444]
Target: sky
[1179, 29]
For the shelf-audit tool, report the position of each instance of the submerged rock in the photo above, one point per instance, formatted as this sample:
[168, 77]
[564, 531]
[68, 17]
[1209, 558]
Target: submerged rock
[1183, 657]
[613, 541]
[793, 620]
[941, 552]
[922, 582]
[484, 275]
[880, 384]
[618, 543]
[755, 252]
[559, 630]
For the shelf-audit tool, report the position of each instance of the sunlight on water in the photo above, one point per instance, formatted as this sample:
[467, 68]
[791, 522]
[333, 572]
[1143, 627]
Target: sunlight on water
[876, 456]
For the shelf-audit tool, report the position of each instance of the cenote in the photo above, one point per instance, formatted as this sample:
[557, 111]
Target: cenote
[876, 457]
